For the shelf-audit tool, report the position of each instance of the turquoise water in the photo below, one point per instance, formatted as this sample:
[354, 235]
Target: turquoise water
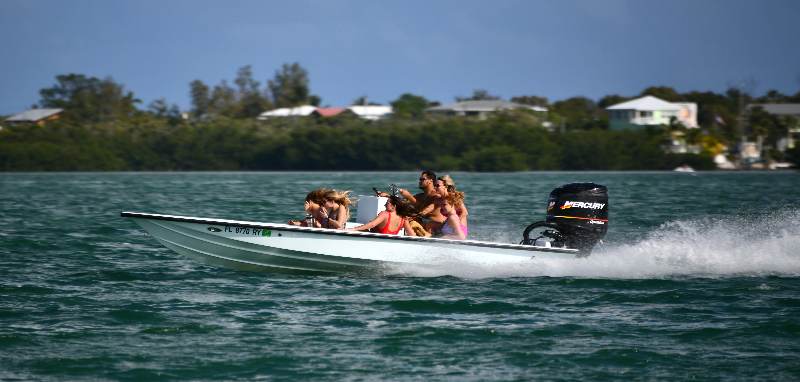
[699, 278]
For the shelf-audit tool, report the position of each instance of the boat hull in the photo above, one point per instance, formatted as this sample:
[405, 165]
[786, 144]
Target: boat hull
[290, 249]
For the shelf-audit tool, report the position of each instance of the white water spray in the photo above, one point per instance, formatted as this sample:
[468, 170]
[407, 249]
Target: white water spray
[711, 247]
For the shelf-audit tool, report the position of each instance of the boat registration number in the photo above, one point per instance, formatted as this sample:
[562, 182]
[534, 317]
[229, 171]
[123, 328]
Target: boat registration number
[248, 231]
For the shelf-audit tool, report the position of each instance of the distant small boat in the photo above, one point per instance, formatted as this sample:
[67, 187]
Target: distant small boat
[684, 168]
[780, 166]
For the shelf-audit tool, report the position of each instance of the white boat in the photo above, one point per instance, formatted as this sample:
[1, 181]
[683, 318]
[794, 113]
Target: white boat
[292, 249]
[684, 168]
[577, 218]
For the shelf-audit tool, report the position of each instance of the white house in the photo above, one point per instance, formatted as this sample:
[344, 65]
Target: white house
[371, 112]
[481, 108]
[299, 111]
[37, 116]
[651, 111]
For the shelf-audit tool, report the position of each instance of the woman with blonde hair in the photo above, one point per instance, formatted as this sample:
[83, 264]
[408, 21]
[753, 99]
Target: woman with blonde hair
[335, 209]
[451, 227]
[312, 206]
[446, 187]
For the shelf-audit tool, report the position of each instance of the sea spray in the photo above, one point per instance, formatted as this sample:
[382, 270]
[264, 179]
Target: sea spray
[751, 245]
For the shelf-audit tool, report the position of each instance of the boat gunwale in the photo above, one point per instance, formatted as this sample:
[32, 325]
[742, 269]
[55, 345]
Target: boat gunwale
[324, 231]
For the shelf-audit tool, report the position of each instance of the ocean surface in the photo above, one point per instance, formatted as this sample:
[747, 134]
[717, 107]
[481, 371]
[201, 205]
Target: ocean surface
[699, 278]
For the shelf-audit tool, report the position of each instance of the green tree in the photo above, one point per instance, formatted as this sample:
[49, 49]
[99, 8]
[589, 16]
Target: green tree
[360, 101]
[531, 100]
[478, 95]
[409, 105]
[201, 99]
[161, 109]
[89, 99]
[716, 114]
[290, 86]
[245, 81]
[251, 101]
[223, 100]
[793, 156]
[494, 158]
[737, 100]
[771, 127]
[664, 92]
[773, 96]
[363, 101]
[580, 113]
[611, 100]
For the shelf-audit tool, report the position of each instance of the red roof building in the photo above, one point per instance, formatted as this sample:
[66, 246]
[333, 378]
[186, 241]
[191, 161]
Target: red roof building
[327, 112]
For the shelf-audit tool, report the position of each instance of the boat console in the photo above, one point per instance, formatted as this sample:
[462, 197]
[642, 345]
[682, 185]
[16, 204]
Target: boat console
[368, 207]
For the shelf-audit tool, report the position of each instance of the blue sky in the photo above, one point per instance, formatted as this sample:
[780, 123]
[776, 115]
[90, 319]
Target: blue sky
[381, 49]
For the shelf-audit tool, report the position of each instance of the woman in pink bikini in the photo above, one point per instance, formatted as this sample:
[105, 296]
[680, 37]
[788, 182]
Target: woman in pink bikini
[397, 215]
[451, 202]
[451, 228]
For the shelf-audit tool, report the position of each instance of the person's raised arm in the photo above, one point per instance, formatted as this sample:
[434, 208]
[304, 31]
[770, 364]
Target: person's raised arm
[407, 195]
[321, 217]
[372, 223]
[341, 218]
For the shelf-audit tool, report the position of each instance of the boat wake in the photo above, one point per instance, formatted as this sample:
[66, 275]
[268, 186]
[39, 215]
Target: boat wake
[709, 247]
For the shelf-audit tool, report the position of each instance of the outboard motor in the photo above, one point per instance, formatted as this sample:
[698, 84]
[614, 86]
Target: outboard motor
[577, 217]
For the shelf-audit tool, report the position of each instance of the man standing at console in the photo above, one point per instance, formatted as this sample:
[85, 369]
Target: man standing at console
[424, 203]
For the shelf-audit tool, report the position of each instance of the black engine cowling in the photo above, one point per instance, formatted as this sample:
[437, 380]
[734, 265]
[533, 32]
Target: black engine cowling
[577, 217]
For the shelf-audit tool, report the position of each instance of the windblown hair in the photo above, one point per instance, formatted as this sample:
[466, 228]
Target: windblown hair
[341, 197]
[454, 197]
[404, 208]
[318, 195]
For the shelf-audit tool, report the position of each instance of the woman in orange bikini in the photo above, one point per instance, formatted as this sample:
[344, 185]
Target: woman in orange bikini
[396, 217]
